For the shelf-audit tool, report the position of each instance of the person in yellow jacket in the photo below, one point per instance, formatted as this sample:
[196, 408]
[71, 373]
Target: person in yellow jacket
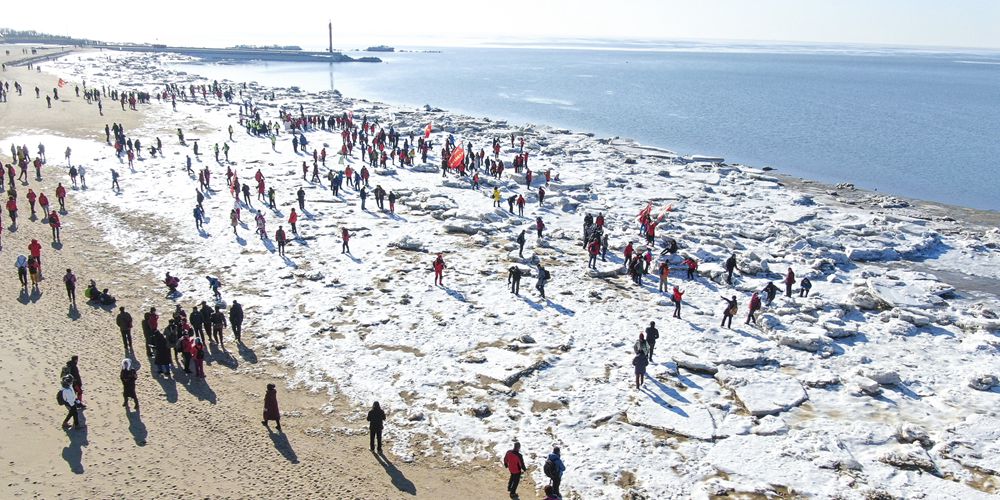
[496, 197]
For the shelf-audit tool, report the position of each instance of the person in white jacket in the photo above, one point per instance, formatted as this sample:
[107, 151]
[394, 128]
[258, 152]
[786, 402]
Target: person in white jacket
[69, 396]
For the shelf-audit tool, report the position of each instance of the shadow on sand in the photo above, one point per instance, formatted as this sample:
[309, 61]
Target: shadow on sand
[398, 479]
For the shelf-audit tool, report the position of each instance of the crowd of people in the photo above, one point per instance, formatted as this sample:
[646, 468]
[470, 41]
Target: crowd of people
[185, 341]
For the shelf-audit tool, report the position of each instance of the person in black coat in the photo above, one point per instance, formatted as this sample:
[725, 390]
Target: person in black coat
[730, 267]
[640, 362]
[236, 319]
[375, 418]
[729, 311]
[770, 291]
[206, 319]
[124, 322]
[196, 322]
[128, 377]
[514, 279]
[162, 357]
[147, 335]
[651, 335]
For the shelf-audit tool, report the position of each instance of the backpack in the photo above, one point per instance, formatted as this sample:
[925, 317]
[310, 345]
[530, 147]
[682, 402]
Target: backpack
[65, 372]
[59, 398]
[549, 468]
[548, 275]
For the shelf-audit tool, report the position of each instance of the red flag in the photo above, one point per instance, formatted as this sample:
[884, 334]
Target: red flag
[457, 158]
[645, 211]
[427, 130]
[62, 83]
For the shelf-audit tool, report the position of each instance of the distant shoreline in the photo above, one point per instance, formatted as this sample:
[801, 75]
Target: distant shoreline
[244, 54]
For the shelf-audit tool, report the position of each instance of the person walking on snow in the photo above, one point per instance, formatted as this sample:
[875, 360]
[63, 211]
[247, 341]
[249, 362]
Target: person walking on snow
[770, 291]
[539, 225]
[281, 240]
[234, 220]
[554, 469]
[692, 267]
[496, 197]
[664, 275]
[439, 270]
[652, 334]
[789, 282]
[345, 237]
[730, 267]
[594, 248]
[754, 307]
[543, 277]
[261, 229]
[640, 361]
[199, 218]
[292, 219]
[514, 279]
[806, 286]
[214, 284]
[676, 299]
[729, 311]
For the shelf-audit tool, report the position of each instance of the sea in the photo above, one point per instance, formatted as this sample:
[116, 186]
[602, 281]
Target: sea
[922, 124]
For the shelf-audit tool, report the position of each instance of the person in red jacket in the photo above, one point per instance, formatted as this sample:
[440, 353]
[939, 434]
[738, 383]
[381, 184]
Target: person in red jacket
[539, 225]
[514, 463]
[292, 219]
[789, 281]
[61, 196]
[31, 201]
[55, 225]
[520, 205]
[692, 267]
[198, 356]
[43, 201]
[754, 307]
[628, 254]
[676, 298]
[439, 270]
[593, 249]
[36, 251]
[154, 320]
[346, 237]
[12, 210]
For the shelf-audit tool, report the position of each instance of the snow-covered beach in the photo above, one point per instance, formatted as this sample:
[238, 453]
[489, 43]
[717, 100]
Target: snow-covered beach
[882, 381]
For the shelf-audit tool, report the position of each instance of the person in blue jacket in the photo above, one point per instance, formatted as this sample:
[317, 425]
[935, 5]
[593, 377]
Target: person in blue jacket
[554, 469]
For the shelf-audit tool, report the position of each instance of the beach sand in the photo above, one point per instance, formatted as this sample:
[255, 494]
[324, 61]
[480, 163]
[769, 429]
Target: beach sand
[192, 439]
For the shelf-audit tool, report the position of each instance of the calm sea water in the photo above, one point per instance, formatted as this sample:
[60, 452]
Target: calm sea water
[924, 125]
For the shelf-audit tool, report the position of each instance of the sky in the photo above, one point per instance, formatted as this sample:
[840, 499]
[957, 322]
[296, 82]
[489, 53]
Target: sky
[935, 23]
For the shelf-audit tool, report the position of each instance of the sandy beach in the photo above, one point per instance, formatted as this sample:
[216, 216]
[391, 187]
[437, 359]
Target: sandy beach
[199, 440]
[882, 381]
